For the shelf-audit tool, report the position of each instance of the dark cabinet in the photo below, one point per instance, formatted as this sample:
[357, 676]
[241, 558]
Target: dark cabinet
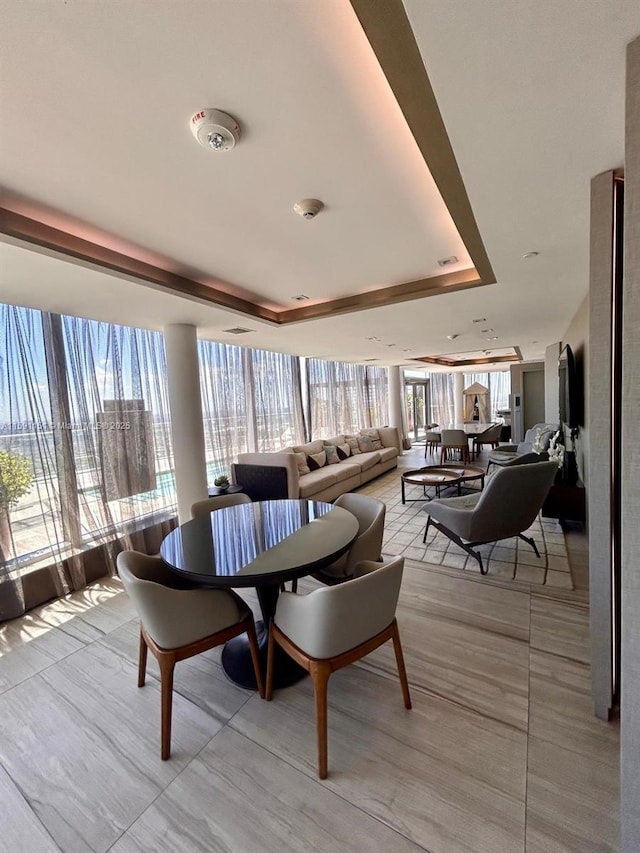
[566, 502]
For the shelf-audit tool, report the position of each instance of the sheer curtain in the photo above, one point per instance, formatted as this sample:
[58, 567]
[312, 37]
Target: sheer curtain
[251, 400]
[345, 397]
[442, 398]
[85, 453]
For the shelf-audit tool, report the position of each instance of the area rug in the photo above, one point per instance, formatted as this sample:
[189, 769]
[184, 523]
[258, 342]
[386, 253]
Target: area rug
[508, 559]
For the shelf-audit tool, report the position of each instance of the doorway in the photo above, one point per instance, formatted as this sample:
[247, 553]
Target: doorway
[417, 405]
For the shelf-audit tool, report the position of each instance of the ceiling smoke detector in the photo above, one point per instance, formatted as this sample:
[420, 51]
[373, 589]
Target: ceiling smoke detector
[308, 208]
[215, 130]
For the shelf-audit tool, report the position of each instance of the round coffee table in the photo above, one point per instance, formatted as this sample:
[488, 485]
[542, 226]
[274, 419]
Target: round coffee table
[440, 477]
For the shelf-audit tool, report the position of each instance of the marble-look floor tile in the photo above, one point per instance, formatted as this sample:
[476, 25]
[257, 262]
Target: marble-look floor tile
[28, 645]
[92, 612]
[499, 610]
[237, 796]
[572, 801]
[477, 669]
[560, 627]
[561, 709]
[200, 679]
[446, 778]
[20, 829]
[82, 742]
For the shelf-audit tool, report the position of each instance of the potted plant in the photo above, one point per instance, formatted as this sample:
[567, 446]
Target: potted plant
[16, 476]
[221, 482]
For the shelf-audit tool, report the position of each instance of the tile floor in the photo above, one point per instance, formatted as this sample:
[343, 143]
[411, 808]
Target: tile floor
[500, 753]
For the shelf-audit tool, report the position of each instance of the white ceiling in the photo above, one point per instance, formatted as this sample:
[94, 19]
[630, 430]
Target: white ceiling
[95, 102]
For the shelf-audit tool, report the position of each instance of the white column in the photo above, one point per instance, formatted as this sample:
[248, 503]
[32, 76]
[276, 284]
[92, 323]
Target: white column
[396, 399]
[187, 431]
[458, 397]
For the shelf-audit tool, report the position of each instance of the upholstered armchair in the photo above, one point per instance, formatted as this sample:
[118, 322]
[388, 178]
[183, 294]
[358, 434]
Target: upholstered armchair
[177, 623]
[508, 505]
[523, 453]
[335, 626]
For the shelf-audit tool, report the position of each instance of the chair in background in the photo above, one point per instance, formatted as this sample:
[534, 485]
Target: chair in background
[523, 453]
[490, 436]
[218, 502]
[370, 513]
[432, 439]
[508, 505]
[333, 627]
[454, 442]
[177, 623]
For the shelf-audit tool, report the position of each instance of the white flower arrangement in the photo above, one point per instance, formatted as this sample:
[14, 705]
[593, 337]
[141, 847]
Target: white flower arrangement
[555, 449]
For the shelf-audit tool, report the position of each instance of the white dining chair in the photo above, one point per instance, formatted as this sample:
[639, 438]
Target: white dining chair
[334, 626]
[179, 623]
[218, 502]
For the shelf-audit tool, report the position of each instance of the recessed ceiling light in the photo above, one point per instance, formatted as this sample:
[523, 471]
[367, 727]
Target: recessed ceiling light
[300, 298]
[494, 338]
[372, 359]
[392, 345]
[238, 330]
[445, 262]
[452, 337]
[486, 331]
[373, 338]
[528, 255]
[480, 320]
[406, 350]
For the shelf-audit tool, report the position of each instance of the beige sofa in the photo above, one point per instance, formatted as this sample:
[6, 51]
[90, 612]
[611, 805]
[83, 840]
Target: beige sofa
[333, 477]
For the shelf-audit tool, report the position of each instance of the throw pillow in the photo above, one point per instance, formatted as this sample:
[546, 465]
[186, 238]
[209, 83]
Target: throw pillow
[344, 451]
[316, 460]
[365, 443]
[375, 437]
[301, 462]
[352, 441]
[332, 454]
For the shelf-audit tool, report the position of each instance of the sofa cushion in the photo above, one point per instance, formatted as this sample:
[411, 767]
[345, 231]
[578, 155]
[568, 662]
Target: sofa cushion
[335, 440]
[375, 437]
[387, 453]
[311, 447]
[316, 481]
[368, 460]
[346, 470]
[332, 454]
[301, 462]
[317, 460]
[344, 451]
[352, 441]
[365, 443]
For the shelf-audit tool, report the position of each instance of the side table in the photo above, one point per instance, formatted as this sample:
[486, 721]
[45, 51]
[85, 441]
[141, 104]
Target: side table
[214, 491]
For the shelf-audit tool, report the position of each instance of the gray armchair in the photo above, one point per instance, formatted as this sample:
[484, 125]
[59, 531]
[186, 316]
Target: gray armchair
[508, 505]
[523, 453]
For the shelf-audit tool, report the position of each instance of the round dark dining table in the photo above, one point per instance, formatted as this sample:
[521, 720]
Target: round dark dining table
[259, 545]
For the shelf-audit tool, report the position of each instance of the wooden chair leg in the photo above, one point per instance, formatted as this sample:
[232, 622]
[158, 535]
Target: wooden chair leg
[142, 660]
[271, 647]
[402, 672]
[320, 673]
[255, 656]
[167, 663]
